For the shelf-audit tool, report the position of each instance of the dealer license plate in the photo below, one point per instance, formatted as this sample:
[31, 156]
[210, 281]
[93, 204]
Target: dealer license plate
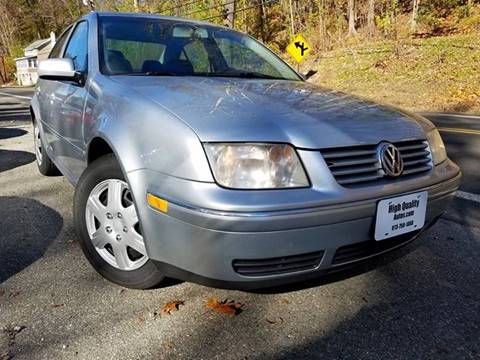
[400, 215]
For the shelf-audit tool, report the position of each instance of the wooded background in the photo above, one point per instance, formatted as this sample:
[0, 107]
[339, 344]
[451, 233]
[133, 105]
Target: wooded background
[327, 24]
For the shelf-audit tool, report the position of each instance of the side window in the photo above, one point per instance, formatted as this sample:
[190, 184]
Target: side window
[77, 48]
[56, 51]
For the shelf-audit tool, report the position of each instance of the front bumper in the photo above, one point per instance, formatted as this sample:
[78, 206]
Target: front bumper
[202, 245]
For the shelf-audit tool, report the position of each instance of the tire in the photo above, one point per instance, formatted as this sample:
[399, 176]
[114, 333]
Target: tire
[104, 213]
[44, 163]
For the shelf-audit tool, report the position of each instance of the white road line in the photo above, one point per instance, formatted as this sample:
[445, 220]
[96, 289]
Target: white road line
[459, 131]
[455, 115]
[17, 96]
[468, 196]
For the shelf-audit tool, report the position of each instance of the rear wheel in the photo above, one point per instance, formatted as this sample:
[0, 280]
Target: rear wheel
[107, 223]
[44, 163]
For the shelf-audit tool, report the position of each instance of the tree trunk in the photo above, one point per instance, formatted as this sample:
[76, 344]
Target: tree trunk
[292, 24]
[230, 11]
[177, 8]
[351, 18]
[261, 21]
[371, 17]
[3, 71]
[322, 25]
[413, 21]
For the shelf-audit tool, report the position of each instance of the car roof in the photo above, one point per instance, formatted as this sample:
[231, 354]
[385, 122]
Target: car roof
[153, 16]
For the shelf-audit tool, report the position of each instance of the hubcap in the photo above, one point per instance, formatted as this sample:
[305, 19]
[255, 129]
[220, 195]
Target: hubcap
[37, 143]
[113, 226]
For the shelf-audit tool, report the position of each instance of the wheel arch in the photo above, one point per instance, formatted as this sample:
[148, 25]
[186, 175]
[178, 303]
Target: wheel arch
[32, 114]
[97, 148]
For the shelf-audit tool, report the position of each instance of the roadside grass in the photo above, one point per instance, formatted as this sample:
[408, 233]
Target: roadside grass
[433, 74]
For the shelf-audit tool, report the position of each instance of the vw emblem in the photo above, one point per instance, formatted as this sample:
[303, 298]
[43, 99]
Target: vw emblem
[390, 159]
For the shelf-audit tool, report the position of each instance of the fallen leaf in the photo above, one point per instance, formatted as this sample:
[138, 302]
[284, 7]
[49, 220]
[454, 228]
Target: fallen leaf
[172, 306]
[273, 322]
[18, 328]
[169, 345]
[226, 306]
[140, 319]
[14, 294]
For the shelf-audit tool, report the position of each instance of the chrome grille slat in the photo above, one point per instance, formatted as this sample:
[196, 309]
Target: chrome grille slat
[415, 154]
[417, 170]
[340, 154]
[341, 163]
[412, 147]
[358, 179]
[416, 162]
[359, 165]
[358, 170]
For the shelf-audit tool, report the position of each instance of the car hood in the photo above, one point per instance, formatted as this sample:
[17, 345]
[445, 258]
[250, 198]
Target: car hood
[257, 110]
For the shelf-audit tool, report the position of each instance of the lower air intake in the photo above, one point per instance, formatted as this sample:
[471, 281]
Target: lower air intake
[277, 266]
[365, 249]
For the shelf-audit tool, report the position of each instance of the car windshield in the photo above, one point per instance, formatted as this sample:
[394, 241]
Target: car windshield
[166, 47]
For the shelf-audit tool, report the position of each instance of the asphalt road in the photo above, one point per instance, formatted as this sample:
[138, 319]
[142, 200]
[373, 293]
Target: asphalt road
[422, 301]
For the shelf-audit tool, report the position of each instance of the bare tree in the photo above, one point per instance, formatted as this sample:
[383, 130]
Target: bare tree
[230, 11]
[371, 17]
[322, 25]
[292, 24]
[469, 6]
[413, 21]
[351, 17]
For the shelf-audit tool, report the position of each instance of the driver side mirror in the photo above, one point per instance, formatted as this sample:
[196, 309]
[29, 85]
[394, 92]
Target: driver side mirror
[59, 69]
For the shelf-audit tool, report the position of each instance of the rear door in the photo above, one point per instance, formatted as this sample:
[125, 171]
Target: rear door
[69, 103]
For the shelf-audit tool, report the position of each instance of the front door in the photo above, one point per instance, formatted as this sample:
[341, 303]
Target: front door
[69, 102]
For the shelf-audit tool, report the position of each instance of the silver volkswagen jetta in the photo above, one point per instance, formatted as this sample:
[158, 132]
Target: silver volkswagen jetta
[199, 154]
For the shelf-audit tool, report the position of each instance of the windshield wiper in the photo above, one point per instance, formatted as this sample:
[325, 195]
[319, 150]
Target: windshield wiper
[151, 73]
[244, 74]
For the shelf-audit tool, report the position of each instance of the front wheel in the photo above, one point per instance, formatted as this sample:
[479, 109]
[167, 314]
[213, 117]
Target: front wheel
[107, 223]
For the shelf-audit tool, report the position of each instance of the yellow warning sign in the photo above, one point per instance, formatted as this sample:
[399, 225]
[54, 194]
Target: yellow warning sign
[298, 48]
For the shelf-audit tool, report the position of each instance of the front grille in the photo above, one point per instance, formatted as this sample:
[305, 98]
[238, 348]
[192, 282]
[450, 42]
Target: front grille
[364, 249]
[279, 265]
[360, 165]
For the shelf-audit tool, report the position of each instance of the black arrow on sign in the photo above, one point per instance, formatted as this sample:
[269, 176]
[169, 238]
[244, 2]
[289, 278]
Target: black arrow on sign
[301, 46]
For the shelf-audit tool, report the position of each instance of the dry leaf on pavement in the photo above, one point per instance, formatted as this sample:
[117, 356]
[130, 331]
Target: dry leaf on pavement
[172, 306]
[226, 306]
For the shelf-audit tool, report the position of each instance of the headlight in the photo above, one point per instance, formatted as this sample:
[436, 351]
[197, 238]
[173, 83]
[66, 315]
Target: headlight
[256, 166]
[437, 147]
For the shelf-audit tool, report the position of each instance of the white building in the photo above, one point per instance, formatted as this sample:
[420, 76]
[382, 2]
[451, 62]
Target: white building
[34, 53]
